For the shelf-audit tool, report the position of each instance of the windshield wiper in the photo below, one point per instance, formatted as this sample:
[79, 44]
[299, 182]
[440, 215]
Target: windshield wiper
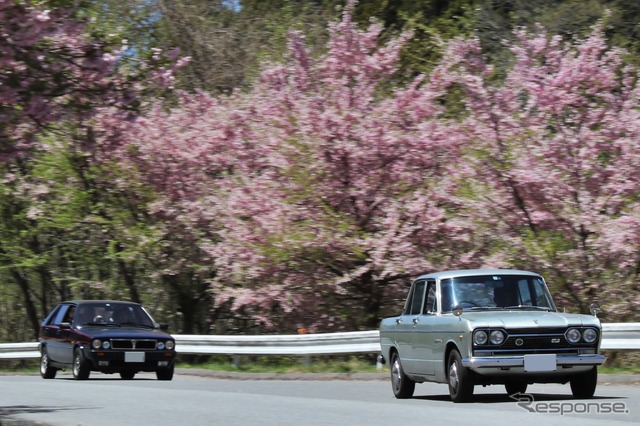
[484, 308]
[134, 324]
[525, 307]
[101, 323]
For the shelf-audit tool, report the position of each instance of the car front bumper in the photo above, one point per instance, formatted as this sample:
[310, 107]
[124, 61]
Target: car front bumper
[113, 361]
[522, 361]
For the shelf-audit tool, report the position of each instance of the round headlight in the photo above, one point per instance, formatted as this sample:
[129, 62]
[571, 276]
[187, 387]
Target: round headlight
[589, 335]
[170, 344]
[96, 344]
[106, 344]
[573, 335]
[160, 345]
[496, 337]
[480, 337]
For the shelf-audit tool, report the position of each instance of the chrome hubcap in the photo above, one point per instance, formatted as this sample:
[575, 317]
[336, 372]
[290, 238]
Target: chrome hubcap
[76, 365]
[396, 378]
[44, 364]
[453, 375]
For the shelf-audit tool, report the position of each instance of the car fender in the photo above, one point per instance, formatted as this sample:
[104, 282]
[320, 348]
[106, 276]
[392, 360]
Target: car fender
[441, 373]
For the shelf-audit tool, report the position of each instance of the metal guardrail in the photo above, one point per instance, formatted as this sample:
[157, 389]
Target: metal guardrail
[615, 337]
[620, 336]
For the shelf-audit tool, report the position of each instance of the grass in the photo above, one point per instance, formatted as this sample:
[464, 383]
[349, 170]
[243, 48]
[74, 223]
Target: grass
[634, 369]
[279, 364]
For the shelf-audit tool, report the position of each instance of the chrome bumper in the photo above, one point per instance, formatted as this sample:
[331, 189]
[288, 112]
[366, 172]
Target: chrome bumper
[518, 361]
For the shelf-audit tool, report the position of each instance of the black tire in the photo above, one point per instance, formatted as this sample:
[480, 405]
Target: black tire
[46, 370]
[402, 386]
[127, 375]
[584, 385]
[80, 368]
[165, 374]
[460, 379]
[515, 387]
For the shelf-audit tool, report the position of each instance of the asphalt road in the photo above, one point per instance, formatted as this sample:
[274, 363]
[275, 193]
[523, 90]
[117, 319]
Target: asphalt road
[106, 400]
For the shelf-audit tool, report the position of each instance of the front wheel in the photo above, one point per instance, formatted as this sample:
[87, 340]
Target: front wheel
[584, 385]
[46, 370]
[165, 374]
[402, 386]
[460, 379]
[80, 368]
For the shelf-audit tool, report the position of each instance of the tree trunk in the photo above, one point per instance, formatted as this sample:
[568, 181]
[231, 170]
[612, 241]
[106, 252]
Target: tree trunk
[32, 314]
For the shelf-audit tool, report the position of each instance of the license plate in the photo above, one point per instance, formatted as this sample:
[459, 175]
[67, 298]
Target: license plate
[134, 357]
[544, 362]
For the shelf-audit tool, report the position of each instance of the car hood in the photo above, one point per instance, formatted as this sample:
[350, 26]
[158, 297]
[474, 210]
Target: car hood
[527, 319]
[113, 332]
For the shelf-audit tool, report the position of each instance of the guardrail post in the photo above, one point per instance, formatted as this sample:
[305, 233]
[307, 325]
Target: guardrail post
[236, 361]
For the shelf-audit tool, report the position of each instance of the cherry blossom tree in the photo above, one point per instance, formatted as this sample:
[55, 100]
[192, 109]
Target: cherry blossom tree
[557, 165]
[52, 70]
[351, 200]
[317, 192]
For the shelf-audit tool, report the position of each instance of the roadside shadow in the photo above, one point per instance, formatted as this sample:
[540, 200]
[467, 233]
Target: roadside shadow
[13, 410]
[493, 398]
[107, 378]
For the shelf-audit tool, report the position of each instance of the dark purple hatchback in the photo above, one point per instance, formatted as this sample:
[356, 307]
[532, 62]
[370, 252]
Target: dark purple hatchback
[107, 336]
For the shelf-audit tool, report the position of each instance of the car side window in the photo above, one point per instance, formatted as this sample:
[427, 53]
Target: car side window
[431, 305]
[418, 298]
[61, 315]
[69, 315]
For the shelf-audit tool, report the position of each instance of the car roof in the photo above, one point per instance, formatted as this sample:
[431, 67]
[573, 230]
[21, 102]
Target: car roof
[471, 272]
[79, 302]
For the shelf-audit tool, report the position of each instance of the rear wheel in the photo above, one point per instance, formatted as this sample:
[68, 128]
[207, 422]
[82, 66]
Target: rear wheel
[460, 379]
[80, 368]
[165, 374]
[46, 370]
[584, 385]
[515, 387]
[402, 386]
[127, 375]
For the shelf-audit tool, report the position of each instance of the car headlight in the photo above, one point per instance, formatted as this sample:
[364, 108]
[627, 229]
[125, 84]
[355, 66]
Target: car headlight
[170, 344]
[589, 335]
[573, 335]
[480, 337]
[99, 344]
[496, 337]
[160, 345]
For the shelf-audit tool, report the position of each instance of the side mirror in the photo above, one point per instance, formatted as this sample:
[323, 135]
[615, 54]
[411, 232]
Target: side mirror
[65, 325]
[457, 310]
[595, 309]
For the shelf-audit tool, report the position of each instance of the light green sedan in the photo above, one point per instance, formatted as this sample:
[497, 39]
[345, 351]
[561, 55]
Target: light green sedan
[486, 327]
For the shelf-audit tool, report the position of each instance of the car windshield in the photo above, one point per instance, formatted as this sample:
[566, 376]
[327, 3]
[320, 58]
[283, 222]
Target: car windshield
[496, 292]
[112, 313]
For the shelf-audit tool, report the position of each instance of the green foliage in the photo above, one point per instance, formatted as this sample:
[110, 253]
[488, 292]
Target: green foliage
[342, 364]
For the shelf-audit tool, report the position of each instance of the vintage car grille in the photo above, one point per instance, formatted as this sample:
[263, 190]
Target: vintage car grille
[533, 341]
[133, 344]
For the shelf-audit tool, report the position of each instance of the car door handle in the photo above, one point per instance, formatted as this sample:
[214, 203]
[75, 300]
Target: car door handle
[416, 320]
[437, 341]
